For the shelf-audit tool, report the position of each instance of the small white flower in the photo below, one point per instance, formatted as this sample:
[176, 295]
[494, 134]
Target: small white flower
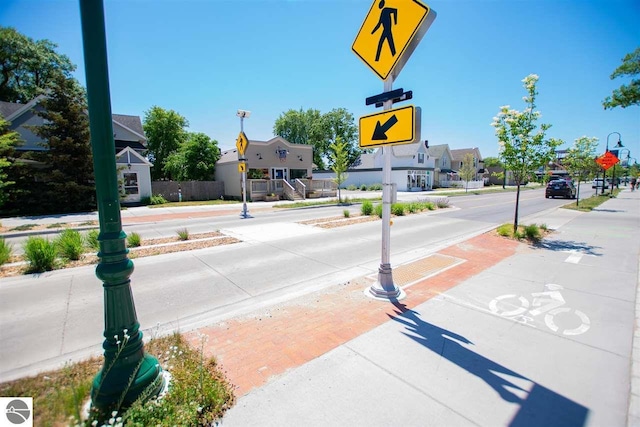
[114, 413]
[94, 423]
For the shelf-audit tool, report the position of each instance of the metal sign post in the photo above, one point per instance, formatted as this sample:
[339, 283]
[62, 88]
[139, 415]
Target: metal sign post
[241, 144]
[384, 288]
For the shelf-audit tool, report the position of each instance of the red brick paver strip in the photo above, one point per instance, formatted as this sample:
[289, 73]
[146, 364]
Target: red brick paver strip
[253, 349]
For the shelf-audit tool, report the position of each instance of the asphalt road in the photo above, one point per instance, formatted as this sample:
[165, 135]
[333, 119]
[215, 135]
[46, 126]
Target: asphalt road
[54, 317]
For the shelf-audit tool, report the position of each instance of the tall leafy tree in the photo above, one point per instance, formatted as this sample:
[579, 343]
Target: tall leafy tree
[626, 95]
[28, 67]
[468, 170]
[67, 176]
[580, 160]
[522, 144]
[319, 130]
[195, 159]
[339, 155]
[339, 123]
[165, 131]
[8, 141]
[304, 127]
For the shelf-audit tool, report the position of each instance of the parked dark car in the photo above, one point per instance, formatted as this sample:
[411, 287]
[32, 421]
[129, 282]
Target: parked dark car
[560, 188]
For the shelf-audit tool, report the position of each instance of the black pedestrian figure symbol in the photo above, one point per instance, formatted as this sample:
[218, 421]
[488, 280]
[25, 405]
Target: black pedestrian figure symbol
[385, 21]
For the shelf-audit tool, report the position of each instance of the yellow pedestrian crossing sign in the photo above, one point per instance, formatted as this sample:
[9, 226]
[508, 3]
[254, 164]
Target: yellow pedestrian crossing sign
[242, 143]
[242, 167]
[390, 33]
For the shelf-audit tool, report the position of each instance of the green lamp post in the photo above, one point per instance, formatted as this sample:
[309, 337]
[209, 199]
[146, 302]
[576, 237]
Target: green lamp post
[128, 371]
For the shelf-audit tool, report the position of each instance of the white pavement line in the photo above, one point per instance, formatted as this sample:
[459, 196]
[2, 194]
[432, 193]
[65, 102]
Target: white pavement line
[575, 257]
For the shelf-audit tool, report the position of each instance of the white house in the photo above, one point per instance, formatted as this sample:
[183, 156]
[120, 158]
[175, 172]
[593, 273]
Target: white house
[133, 169]
[412, 168]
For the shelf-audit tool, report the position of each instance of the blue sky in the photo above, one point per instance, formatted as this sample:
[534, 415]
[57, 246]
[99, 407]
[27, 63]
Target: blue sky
[207, 58]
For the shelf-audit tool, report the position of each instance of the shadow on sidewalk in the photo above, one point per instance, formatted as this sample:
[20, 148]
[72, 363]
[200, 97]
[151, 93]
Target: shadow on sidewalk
[540, 407]
[567, 246]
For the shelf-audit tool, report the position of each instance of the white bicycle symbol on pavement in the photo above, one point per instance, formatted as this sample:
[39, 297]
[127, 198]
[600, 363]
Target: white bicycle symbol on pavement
[549, 303]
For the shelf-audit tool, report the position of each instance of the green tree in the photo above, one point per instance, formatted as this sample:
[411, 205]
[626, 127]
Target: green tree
[165, 131]
[194, 160]
[626, 95]
[320, 130]
[67, 175]
[28, 67]
[522, 144]
[580, 160]
[339, 123]
[8, 141]
[468, 170]
[303, 127]
[339, 156]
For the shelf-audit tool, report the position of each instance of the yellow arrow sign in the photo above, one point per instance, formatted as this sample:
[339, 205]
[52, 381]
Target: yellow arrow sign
[242, 143]
[397, 126]
[242, 167]
[390, 33]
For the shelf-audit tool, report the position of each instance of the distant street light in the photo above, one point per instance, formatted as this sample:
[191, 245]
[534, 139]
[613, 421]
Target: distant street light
[604, 173]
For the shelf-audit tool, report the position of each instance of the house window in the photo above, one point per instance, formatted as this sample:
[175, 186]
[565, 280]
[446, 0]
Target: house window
[130, 183]
[420, 157]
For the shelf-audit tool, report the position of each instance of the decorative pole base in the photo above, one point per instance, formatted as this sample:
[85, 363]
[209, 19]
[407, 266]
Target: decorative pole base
[384, 289]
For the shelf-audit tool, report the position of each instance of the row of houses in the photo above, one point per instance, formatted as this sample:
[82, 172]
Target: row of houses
[275, 167]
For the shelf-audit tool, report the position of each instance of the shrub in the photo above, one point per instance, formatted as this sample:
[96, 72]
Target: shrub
[397, 209]
[413, 207]
[543, 227]
[157, 199]
[40, 254]
[352, 187]
[374, 187]
[363, 187]
[134, 240]
[367, 207]
[505, 230]
[378, 210]
[69, 244]
[91, 240]
[146, 200]
[346, 213]
[532, 232]
[5, 251]
[183, 234]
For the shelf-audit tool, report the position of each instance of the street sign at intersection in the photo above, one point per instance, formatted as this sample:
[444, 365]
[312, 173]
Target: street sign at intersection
[396, 126]
[390, 33]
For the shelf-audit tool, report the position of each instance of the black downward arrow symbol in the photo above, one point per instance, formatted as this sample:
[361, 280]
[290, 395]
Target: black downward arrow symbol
[380, 133]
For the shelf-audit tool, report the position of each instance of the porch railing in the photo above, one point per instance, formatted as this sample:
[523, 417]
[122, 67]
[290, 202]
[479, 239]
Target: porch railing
[301, 188]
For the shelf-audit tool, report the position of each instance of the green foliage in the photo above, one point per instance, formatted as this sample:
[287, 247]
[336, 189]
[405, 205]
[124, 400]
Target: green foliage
[166, 132]
[24, 227]
[91, 240]
[366, 208]
[134, 240]
[69, 244]
[523, 147]
[579, 161]
[374, 187]
[352, 187]
[491, 162]
[468, 170]
[339, 162]
[6, 249]
[157, 199]
[194, 160]
[532, 232]
[183, 234]
[505, 230]
[28, 66]
[346, 213]
[8, 141]
[397, 209]
[40, 253]
[320, 130]
[378, 210]
[626, 95]
[363, 187]
[68, 158]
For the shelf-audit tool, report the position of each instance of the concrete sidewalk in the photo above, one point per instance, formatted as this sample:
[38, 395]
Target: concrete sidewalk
[492, 332]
